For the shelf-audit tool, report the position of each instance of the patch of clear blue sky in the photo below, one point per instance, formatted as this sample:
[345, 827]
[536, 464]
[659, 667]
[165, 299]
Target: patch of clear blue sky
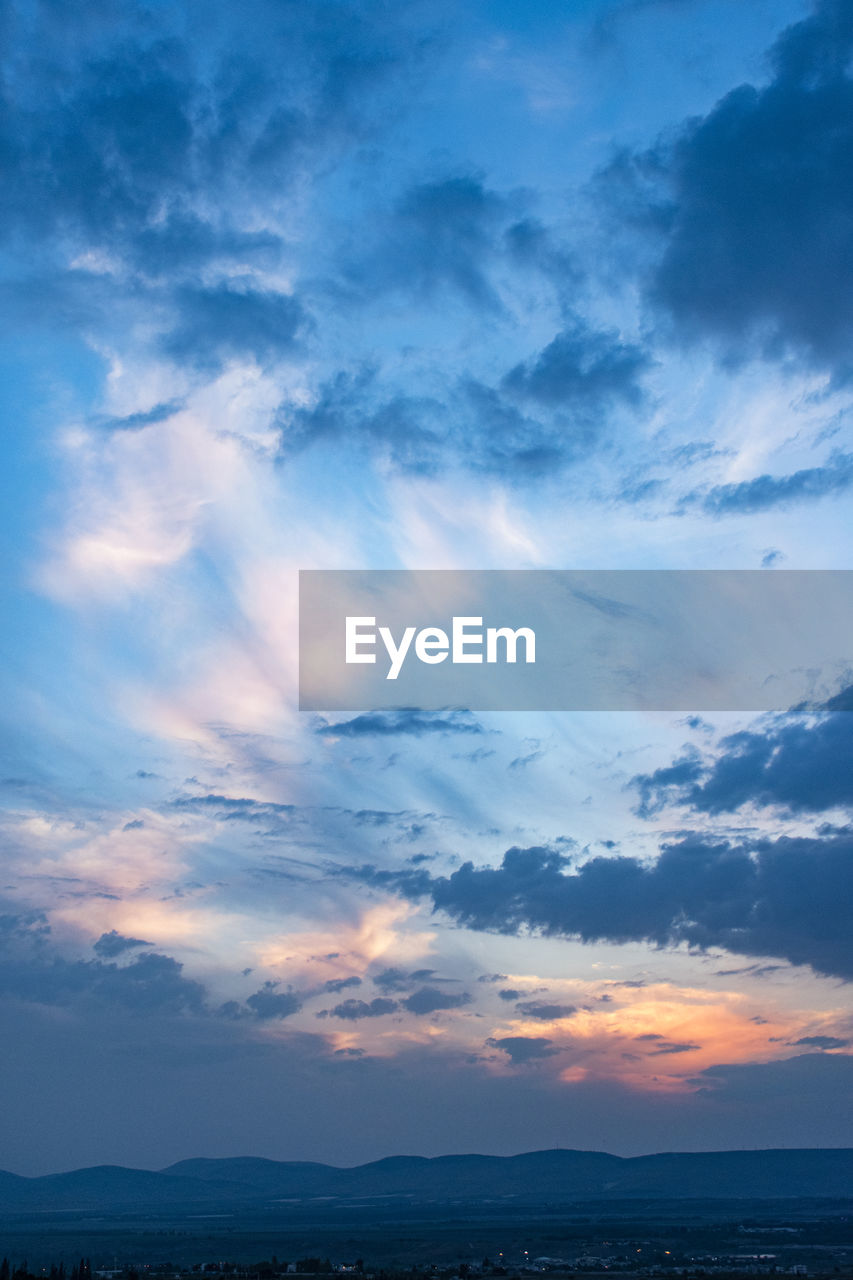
[537, 94]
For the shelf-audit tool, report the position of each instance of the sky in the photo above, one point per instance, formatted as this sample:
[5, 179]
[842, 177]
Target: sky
[347, 284]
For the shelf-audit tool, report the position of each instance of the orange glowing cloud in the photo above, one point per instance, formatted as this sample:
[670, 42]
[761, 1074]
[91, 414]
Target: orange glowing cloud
[349, 948]
[660, 1037]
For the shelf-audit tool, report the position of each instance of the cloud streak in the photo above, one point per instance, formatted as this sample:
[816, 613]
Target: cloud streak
[784, 898]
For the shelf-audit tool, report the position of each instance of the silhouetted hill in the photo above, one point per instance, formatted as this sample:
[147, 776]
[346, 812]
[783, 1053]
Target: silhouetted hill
[541, 1177]
[111, 1187]
[268, 1177]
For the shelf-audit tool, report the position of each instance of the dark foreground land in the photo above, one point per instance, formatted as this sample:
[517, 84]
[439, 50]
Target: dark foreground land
[640, 1238]
[556, 1213]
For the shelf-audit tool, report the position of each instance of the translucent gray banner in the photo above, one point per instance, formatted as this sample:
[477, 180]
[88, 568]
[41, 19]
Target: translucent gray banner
[567, 640]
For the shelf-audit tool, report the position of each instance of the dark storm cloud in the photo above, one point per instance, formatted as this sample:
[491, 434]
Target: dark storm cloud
[452, 235]
[545, 1012]
[455, 236]
[393, 980]
[841, 701]
[270, 1003]
[522, 1049]
[582, 368]
[553, 409]
[401, 980]
[804, 1083]
[33, 971]
[105, 145]
[115, 944]
[787, 898]
[151, 983]
[532, 245]
[822, 1042]
[185, 242]
[442, 235]
[411, 720]
[114, 133]
[356, 406]
[412, 431]
[339, 400]
[799, 764]
[503, 439]
[542, 416]
[222, 322]
[29, 928]
[355, 1010]
[765, 491]
[476, 425]
[112, 145]
[755, 204]
[431, 1000]
[341, 984]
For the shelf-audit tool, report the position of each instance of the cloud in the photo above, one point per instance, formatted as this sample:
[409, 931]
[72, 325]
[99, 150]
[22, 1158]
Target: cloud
[521, 762]
[148, 180]
[502, 438]
[224, 322]
[545, 1012]
[118, 127]
[581, 368]
[431, 1000]
[409, 720]
[799, 1085]
[532, 245]
[34, 971]
[752, 204]
[184, 242]
[765, 492]
[99, 158]
[822, 1042]
[799, 764]
[523, 1049]
[269, 1003]
[785, 898]
[392, 980]
[668, 1046]
[359, 407]
[452, 236]
[115, 944]
[354, 1010]
[341, 984]
[235, 808]
[152, 983]
[443, 234]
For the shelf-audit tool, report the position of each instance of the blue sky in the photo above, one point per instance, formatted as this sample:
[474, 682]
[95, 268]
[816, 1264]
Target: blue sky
[331, 285]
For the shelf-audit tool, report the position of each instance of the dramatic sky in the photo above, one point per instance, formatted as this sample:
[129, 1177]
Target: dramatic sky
[394, 284]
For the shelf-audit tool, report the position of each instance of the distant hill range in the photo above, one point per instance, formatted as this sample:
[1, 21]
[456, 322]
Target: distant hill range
[541, 1177]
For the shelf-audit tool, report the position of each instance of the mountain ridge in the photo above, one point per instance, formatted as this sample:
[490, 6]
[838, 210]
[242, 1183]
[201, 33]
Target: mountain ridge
[552, 1175]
